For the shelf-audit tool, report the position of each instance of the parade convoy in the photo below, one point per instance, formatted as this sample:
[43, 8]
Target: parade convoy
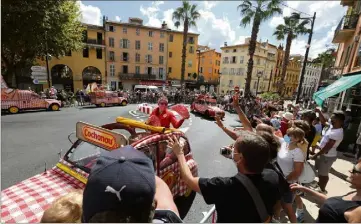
[207, 106]
[26, 201]
[101, 97]
[15, 100]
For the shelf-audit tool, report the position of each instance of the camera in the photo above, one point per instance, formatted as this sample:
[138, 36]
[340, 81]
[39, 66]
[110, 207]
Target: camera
[225, 151]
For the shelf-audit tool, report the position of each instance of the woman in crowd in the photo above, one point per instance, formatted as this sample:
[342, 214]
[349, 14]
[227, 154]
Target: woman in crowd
[291, 158]
[341, 209]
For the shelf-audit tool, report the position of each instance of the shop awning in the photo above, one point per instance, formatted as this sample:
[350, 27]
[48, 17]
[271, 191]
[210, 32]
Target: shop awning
[338, 86]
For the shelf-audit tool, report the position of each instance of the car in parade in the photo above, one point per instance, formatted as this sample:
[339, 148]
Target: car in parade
[207, 106]
[102, 98]
[16, 100]
[26, 201]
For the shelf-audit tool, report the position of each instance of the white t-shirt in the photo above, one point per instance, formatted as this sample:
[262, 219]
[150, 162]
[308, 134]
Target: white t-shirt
[335, 134]
[286, 158]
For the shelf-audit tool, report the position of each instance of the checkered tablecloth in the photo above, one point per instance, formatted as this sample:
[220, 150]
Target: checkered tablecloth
[180, 188]
[26, 201]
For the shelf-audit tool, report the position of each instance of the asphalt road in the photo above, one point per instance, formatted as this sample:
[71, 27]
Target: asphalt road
[33, 140]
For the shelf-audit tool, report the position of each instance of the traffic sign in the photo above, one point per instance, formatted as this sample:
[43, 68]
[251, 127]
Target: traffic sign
[35, 81]
[38, 68]
[35, 74]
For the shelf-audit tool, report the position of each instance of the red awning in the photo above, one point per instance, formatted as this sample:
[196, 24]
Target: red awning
[154, 83]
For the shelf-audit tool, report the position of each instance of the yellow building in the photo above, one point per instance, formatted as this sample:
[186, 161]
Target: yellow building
[174, 63]
[209, 63]
[76, 69]
[292, 76]
[234, 66]
[136, 54]
[293, 72]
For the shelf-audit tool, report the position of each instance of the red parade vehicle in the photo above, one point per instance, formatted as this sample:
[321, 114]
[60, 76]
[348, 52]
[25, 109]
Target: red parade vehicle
[26, 201]
[207, 106]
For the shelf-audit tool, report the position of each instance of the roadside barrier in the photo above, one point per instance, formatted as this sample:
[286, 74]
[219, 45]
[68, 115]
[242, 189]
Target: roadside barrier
[145, 108]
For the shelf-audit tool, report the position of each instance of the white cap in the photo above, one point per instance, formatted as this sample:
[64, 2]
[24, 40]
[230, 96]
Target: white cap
[288, 116]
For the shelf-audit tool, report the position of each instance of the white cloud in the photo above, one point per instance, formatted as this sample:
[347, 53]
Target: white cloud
[117, 18]
[240, 40]
[90, 14]
[275, 21]
[317, 45]
[152, 12]
[208, 5]
[207, 26]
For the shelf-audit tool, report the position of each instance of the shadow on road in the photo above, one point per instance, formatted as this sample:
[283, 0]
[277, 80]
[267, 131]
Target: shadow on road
[201, 116]
[5, 113]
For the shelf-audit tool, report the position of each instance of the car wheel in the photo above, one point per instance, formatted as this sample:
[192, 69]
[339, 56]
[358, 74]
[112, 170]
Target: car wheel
[184, 203]
[102, 104]
[54, 107]
[13, 110]
[206, 113]
[124, 103]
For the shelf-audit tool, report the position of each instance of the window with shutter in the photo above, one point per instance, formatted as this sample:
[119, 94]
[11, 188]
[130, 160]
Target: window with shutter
[121, 43]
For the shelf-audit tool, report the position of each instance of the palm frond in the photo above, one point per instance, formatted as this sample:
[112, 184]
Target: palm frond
[246, 4]
[245, 21]
[281, 32]
[192, 23]
[177, 24]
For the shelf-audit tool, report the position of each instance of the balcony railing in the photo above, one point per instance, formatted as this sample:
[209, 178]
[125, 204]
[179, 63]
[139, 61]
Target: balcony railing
[137, 76]
[346, 28]
[336, 71]
[94, 41]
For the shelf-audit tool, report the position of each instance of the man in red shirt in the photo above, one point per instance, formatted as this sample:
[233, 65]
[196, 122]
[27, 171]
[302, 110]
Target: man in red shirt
[284, 122]
[166, 117]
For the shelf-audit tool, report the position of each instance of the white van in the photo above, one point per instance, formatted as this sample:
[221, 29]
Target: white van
[144, 88]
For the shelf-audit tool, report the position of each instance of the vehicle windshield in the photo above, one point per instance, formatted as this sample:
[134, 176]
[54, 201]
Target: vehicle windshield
[84, 155]
[211, 103]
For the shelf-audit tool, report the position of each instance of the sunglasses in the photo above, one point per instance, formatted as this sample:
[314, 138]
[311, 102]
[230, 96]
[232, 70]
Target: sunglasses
[165, 104]
[354, 171]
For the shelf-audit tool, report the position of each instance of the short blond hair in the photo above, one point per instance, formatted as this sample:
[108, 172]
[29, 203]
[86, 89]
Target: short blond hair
[65, 209]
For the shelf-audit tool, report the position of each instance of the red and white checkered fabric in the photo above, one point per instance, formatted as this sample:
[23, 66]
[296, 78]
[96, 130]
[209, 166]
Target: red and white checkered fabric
[24, 99]
[26, 201]
[179, 188]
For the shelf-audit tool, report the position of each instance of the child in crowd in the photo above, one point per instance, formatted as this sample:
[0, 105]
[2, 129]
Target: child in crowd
[318, 126]
[66, 209]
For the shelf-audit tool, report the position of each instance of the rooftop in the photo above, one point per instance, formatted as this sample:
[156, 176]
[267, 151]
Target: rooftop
[140, 25]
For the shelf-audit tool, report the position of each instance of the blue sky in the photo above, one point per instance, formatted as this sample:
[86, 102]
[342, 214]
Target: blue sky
[219, 20]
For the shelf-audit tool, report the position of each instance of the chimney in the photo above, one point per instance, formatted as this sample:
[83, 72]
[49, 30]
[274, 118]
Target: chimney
[225, 44]
[164, 25]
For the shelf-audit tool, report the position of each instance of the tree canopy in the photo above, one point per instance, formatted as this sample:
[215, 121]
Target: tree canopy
[32, 28]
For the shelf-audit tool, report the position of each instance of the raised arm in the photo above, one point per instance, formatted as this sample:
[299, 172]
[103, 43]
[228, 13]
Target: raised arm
[229, 132]
[242, 117]
[320, 115]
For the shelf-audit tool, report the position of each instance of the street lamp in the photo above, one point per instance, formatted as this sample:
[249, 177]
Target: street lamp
[47, 58]
[312, 19]
[259, 75]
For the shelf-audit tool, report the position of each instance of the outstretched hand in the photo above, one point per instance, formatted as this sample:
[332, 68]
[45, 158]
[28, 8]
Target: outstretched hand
[218, 121]
[235, 100]
[295, 187]
[174, 144]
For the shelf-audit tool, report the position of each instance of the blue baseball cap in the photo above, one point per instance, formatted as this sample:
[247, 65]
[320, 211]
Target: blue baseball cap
[276, 123]
[121, 180]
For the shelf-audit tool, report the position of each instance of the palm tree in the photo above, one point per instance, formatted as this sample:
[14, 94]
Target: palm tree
[261, 11]
[293, 27]
[187, 14]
